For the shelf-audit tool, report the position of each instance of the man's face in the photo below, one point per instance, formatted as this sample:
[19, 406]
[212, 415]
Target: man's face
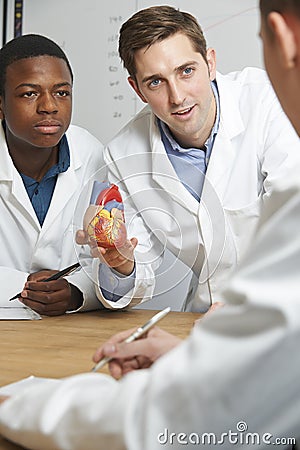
[176, 82]
[37, 105]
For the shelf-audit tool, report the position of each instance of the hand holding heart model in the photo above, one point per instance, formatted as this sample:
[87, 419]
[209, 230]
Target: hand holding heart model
[104, 219]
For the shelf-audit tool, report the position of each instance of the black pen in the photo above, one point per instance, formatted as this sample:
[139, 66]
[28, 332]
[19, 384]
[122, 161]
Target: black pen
[56, 276]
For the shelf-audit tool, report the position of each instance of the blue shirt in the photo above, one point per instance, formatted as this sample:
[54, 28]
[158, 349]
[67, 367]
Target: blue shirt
[190, 164]
[40, 193]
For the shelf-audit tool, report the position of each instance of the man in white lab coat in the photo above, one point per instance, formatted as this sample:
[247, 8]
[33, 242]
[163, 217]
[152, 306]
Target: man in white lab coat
[45, 164]
[195, 166]
[234, 383]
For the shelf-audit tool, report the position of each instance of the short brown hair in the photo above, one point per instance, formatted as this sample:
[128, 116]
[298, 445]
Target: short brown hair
[154, 24]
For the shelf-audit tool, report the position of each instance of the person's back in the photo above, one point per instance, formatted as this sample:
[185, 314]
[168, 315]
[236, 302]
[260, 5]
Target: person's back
[45, 165]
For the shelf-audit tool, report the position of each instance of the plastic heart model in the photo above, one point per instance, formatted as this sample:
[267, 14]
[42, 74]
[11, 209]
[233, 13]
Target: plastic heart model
[104, 219]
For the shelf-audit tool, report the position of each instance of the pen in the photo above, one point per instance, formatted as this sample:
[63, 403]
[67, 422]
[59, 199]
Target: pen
[135, 335]
[56, 276]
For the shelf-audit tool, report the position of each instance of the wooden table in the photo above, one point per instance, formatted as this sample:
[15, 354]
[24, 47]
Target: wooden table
[56, 347]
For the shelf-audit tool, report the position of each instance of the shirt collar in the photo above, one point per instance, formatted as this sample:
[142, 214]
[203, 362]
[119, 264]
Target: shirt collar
[63, 155]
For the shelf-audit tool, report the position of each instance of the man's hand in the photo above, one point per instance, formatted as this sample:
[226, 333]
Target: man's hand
[120, 259]
[50, 298]
[139, 354]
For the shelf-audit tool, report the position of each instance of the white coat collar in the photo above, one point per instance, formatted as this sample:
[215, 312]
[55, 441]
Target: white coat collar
[7, 169]
[15, 187]
[230, 115]
[231, 125]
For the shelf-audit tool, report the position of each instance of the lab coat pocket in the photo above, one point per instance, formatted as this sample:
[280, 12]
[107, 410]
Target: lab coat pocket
[242, 223]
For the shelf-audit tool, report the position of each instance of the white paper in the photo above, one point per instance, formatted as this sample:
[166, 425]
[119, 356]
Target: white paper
[18, 312]
[25, 383]
[11, 282]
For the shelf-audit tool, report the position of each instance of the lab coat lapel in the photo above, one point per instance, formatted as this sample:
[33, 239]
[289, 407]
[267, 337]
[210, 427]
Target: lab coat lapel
[66, 187]
[211, 211]
[15, 195]
[21, 203]
[231, 125]
[164, 174]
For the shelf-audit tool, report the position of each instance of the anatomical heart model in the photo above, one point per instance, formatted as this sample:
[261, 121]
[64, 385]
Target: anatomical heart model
[104, 218]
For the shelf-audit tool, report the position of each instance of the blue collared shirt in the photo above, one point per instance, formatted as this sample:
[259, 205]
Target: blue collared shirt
[40, 193]
[190, 164]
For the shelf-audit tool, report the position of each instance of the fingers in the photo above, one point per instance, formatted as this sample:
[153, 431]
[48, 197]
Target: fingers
[127, 351]
[48, 298]
[46, 309]
[139, 354]
[47, 286]
[151, 346]
[109, 347]
[134, 242]
[41, 275]
[121, 258]
[82, 237]
[96, 252]
[119, 368]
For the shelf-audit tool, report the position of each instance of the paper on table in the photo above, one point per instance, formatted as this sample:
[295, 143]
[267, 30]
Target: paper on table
[25, 383]
[18, 312]
[11, 282]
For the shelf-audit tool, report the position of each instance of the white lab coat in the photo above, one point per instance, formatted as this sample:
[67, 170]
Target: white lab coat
[239, 369]
[27, 247]
[255, 146]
